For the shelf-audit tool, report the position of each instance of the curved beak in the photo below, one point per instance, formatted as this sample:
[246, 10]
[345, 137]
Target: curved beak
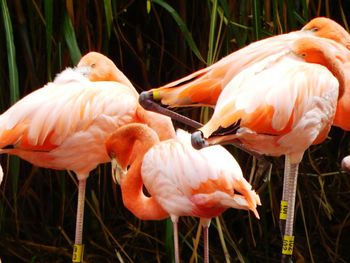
[118, 173]
[198, 141]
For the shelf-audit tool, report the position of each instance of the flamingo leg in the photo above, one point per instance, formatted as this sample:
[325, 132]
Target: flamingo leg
[290, 194]
[205, 222]
[284, 202]
[175, 220]
[78, 249]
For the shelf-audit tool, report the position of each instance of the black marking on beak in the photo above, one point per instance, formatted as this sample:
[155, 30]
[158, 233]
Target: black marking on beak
[232, 129]
[198, 141]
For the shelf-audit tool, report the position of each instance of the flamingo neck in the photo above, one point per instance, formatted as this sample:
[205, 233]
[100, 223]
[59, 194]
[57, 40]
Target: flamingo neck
[129, 144]
[142, 206]
[119, 76]
[313, 52]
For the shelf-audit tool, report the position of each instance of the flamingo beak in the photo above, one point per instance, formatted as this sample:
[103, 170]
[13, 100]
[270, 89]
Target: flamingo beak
[118, 173]
[83, 70]
[198, 141]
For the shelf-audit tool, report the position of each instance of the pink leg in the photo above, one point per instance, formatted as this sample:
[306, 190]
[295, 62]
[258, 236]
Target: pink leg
[80, 212]
[78, 249]
[205, 224]
[206, 243]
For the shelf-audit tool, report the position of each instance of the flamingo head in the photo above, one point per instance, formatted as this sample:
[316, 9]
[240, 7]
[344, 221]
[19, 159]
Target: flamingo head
[327, 28]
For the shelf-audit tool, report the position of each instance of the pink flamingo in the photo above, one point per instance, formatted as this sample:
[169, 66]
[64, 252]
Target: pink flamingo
[181, 181]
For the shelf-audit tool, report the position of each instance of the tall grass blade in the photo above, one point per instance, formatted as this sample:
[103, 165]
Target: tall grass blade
[169, 240]
[11, 53]
[212, 38]
[48, 8]
[14, 94]
[188, 37]
[256, 19]
[343, 16]
[109, 16]
[71, 40]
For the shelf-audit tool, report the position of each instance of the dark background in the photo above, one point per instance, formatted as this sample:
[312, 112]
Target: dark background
[154, 42]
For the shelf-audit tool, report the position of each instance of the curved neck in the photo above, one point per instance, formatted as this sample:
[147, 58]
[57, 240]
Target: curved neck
[134, 199]
[129, 144]
[119, 76]
[314, 52]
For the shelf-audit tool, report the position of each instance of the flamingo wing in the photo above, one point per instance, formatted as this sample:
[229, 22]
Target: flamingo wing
[45, 118]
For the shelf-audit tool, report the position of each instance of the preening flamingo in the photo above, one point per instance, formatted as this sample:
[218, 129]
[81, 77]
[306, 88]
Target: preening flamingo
[64, 125]
[181, 181]
[204, 86]
[279, 106]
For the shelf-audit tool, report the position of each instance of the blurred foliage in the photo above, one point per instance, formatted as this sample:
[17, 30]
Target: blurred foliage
[155, 42]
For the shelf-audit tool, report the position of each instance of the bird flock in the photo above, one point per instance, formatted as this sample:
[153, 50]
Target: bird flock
[274, 97]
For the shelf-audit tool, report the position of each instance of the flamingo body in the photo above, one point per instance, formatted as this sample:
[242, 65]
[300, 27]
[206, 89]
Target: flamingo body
[187, 182]
[64, 124]
[275, 101]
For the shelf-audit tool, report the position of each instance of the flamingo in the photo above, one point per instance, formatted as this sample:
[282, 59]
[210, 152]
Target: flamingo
[280, 106]
[64, 125]
[203, 87]
[181, 181]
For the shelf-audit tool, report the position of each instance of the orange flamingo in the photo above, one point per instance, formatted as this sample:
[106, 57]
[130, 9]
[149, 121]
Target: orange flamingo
[181, 180]
[64, 125]
[280, 106]
[203, 87]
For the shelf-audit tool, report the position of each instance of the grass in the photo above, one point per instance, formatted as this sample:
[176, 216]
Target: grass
[155, 42]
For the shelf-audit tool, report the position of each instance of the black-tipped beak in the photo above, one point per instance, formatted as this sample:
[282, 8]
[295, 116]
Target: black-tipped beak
[198, 141]
[146, 100]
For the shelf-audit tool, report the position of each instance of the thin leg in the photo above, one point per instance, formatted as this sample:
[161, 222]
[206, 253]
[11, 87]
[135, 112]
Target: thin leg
[205, 222]
[80, 212]
[78, 249]
[284, 202]
[206, 243]
[176, 239]
[290, 194]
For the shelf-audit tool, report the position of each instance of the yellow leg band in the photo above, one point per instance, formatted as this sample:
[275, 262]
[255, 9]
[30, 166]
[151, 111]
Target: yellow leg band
[288, 245]
[283, 211]
[78, 253]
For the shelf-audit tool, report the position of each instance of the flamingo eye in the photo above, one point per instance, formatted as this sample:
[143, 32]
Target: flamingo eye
[93, 65]
[314, 29]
